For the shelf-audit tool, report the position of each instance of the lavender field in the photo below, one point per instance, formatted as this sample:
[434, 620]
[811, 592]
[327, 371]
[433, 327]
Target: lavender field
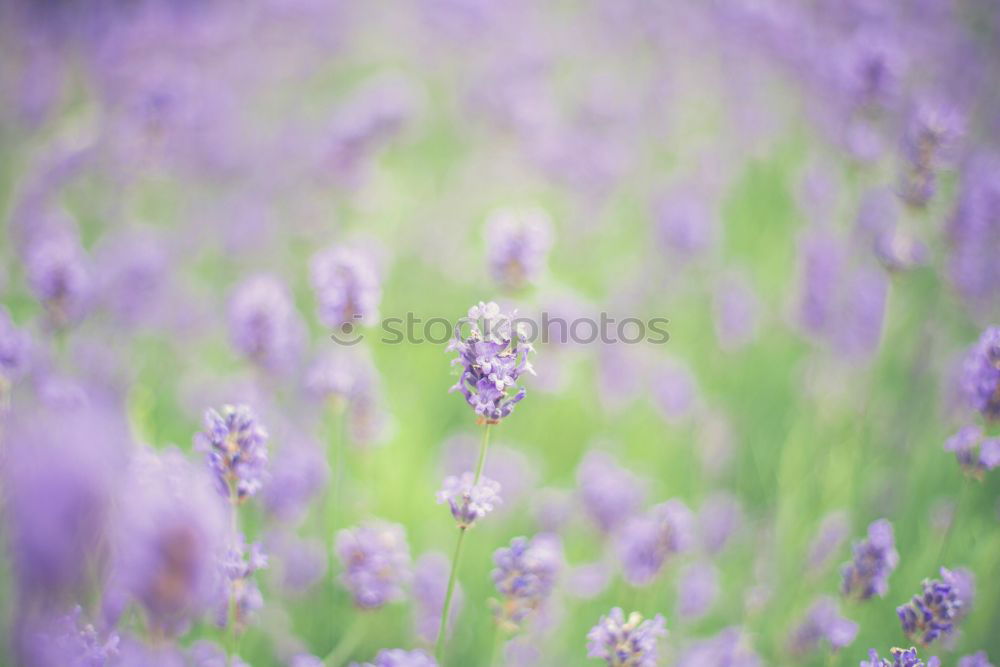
[471, 333]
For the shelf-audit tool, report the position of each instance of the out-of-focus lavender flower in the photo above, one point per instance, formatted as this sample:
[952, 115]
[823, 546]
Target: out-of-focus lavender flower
[15, 351]
[430, 584]
[335, 375]
[302, 562]
[469, 501]
[621, 375]
[264, 325]
[874, 560]
[347, 287]
[170, 538]
[646, 542]
[729, 648]
[929, 141]
[901, 657]
[632, 642]
[823, 622]
[610, 494]
[871, 67]
[67, 640]
[241, 590]
[832, 532]
[697, 590]
[297, 475]
[820, 270]
[205, 653]
[974, 232]
[934, 612]
[348, 379]
[674, 391]
[736, 311]
[589, 580]
[59, 276]
[305, 660]
[525, 575]
[899, 251]
[685, 224]
[398, 657]
[131, 271]
[376, 561]
[975, 454]
[517, 245]
[859, 325]
[981, 374]
[236, 446]
[493, 356]
[59, 472]
[720, 517]
[553, 508]
[978, 659]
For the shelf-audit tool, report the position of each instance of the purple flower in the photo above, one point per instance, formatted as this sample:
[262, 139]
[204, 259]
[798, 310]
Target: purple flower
[974, 232]
[376, 562]
[874, 560]
[305, 660]
[236, 446]
[610, 493]
[929, 141]
[975, 454]
[901, 657]
[729, 648]
[131, 271]
[525, 575]
[59, 275]
[347, 287]
[239, 566]
[646, 542]
[493, 356]
[264, 325]
[297, 475]
[626, 643]
[935, 611]
[469, 501]
[978, 659]
[697, 590]
[302, 561]
[674, 391]
[685, 224]
[517, 245]
[430, 583]
[823, 622]
[398, 657]
[736, 309]
[67, 641]
[348, 379]
[832, 532]
[981, 374]
[721, 516]
[169, 540]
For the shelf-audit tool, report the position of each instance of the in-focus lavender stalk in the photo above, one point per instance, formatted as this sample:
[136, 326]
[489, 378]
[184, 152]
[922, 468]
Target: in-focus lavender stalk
[938, 608]
[875, 558]
[900, 657]
[626, 643]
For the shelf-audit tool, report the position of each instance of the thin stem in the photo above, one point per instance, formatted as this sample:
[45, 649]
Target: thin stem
[348, 642]
[442, 629]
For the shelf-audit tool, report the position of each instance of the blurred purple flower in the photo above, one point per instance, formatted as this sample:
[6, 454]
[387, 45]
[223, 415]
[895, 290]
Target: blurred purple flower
[875, 558]
[67, 640]
[981, 374]
[264, 325]
[347, 287]
[295, 477]
[525, 575]
[736, 312]
[631, 642]
[235, 444]
[517, 245]
[729, 648]
[59, 276]
[823, 622]
[493, 357]
[720, 517]
[15, 351]
[132, 267]
[674, 391]
[978, 659]
[647, 541]
[376, 562]
[832, 532]
[515, 471]
[239, 565]
[685, 223]
[975, 454]
[610, 493]
[901, 657]
[302, 562]
[398, 657]
[974, 232]
[697, 590]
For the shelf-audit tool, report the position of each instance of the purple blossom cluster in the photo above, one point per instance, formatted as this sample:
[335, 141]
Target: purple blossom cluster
[492, 357]
[937, 609]
[517, 246]
[647, 541]
[900, 657]
[977, 455]
[469, 500]
[823, 622]
[347, 287]
[630, 642]
[525, 576]
[235, 444]
[875, 558]
[981, 374]
[376, 562]
[241, 591]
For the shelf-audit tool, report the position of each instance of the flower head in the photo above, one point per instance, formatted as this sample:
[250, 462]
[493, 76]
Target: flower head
[610, 493]
[398, 657]
[376, 561]
[935, 611]
[236, 446]
[517, 243]
[525, 575]
[626, 643]
[981, 374]
[59, 275]
[901, 657]
[823, 622]
[239, 566]
[978, 659]
[347, 287]
[975, 454]
[469, 500]
[647, 541]
[264, 325]
[493, 356]
[874, 560]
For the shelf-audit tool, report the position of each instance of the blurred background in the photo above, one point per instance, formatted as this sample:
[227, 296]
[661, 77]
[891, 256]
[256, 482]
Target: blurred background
[197, 193]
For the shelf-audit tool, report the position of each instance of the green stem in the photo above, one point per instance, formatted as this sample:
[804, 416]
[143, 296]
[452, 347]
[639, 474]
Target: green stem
[442, 629]
[348, 642]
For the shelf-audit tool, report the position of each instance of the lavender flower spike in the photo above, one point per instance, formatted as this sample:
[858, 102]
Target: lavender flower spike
[347, 287]
[236, 446]
[469, 500]
[874, 560]
[646, 542]
[975, 455]
[525, 576]
[493, 356]
[901, 657]
[239, 567]
[978, 659]
[934, 612]
[376, 560]
[823, 622]
[981, 374]
[517, 242]
[626, 643]
[397, 657]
